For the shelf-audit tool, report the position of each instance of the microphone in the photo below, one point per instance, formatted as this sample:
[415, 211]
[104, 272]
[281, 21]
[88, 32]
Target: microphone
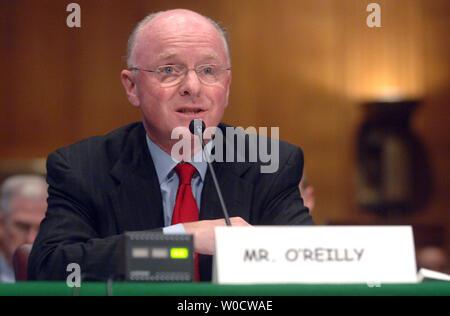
[197, 127]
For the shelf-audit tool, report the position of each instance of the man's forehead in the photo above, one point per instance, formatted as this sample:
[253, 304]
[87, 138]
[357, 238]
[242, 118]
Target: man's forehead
[179, 18]
[182, 32]
[179, 22]
[180, 26]
[33, 205]
[172, 55]
[165, 47]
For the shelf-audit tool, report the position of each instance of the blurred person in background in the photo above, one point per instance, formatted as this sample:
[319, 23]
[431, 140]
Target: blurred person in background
[23, 203]
[433, 258]
[307, 193]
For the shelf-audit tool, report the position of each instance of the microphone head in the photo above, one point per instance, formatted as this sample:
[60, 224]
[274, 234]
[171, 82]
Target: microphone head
[197, 127]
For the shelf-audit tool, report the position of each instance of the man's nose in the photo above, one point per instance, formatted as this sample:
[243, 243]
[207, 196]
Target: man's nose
[191, 84]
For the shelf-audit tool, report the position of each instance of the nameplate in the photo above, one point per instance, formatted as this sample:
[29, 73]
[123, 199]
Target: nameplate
[314, 254]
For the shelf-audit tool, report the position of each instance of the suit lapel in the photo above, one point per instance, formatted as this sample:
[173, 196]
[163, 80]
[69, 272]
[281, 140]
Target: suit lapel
[237, 193]
[137, 198]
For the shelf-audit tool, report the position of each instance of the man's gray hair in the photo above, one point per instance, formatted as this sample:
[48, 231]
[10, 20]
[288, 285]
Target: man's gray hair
[26, 185]
[148, 18]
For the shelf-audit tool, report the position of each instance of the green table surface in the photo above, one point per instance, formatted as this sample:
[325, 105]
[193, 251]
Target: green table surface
[426, 288]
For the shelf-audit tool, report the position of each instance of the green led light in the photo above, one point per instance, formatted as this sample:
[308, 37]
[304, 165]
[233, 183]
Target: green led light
[179, 253]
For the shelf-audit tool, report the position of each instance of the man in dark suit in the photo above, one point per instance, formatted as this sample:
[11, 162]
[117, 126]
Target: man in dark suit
[99, 188]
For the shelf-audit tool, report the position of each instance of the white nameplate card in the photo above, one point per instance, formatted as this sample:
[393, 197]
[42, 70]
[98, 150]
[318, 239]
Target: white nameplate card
[314, 254]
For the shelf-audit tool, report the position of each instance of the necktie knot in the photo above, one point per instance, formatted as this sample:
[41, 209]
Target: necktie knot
[185, 172]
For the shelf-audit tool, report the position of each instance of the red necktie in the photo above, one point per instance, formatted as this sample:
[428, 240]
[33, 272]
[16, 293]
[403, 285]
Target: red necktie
[186, 209]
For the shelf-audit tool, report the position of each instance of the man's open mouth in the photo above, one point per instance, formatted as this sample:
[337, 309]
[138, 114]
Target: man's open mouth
[190, 111]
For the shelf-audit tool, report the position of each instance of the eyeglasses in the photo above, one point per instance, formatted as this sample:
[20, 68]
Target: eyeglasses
[170, 75]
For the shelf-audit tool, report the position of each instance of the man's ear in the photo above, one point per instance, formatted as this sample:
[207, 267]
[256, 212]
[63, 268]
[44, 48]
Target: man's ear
[128, 82]
[228, 85]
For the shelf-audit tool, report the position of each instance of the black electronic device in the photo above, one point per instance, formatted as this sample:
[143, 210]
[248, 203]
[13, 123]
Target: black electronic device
[156, 257]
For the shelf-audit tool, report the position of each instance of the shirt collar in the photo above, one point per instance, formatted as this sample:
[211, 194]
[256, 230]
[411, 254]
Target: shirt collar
[164, 163]
[6, 272]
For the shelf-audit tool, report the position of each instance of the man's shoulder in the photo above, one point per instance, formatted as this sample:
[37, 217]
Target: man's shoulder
[258, 152]
[108, 146]
[114, 139]
[258, 142]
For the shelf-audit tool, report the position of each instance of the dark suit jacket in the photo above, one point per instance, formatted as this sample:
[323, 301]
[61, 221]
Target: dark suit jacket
[103, 186]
